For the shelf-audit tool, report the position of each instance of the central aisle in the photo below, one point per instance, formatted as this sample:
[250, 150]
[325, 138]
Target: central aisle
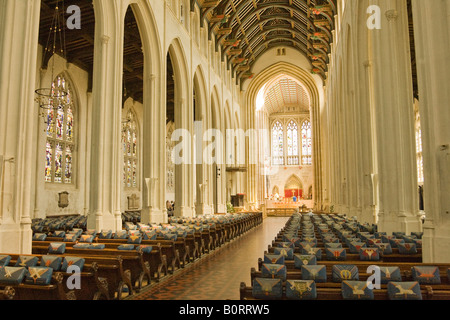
[219, 275]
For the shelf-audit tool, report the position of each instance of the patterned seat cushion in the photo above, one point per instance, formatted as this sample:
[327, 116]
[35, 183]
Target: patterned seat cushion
[70, 237]
[12, 275]
[59, 234]
[336, 254]
[389, 274]
[121, 234]
[105, 234]
[404, 291]
[126, 247]
[82, 246]
[267, 289]
[304, 260]
[144, 248]
[333, 245]
[39, 237]
[341, 272]
[86, 238]
[301, 290]
[288, 253]
[369, 254]
[171, 236]
[354, 247]
[57, 248]
[134, 239]
[39, 275]
[274, 259]
[407, 248]
[27, 261]
[150, 235]
[356, 290]
[316, 273]
[72, 261]
[274, 271]
[4, 260]
[426, 274]
[53, 262]
[285, 245]
[384, 248]
[313, 251]
[395, 242]
[97, 246]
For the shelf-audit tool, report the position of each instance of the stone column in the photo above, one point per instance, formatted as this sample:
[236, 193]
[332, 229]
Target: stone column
[432, 40]
[106, 155]
[19, 31]
[393, 94]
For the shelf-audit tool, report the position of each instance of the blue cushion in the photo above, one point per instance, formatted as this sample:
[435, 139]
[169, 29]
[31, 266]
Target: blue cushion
[301, 290]
[274, 258]
[39, 275]
[354, 247]
[105, 234]
[310, 240]
[270, 289]
[150, 235]
[285, 245]
[70, 237]
[27, 261]
[144, 248]
[386, 239]
[126, 247]
[407, 248]
[288, 253]
[57, 248]
[404, 291]
[53, 262]
[356, 290]
[341, 272]
[304, 260]
[395, 242]
[419, 235]
[389, 274]
[91, 232]
[333, 245]
[137, 239]
[398, 235]
[384, 248]
[86, 238]
[316, 273]
[330, 240]
[274, 271]
[426, 274]
[97, 246]
[4, 260]
[72, 261]
[369, 254]
[313, 251]
[336, 254]
[82, 246]
[39, 237]
[59, 234]
[12, 275]
[171, 236]
[121, 234]
[181, 233]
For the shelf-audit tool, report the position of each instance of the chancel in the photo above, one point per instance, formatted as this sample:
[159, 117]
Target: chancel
[224, 150]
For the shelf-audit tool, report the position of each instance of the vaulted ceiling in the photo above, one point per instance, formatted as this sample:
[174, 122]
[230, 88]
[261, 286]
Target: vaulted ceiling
[285, 95]
[245, 29]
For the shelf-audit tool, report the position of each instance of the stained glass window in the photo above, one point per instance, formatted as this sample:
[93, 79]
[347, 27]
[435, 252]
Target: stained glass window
[306, 143]
[277, 144]
[292, 143]
[60, 132]
[130, 151]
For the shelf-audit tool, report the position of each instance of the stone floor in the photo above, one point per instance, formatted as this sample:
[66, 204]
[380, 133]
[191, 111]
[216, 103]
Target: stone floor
[219, 274]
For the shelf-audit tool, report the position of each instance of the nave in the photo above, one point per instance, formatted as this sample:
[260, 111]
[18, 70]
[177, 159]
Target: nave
[219, 275]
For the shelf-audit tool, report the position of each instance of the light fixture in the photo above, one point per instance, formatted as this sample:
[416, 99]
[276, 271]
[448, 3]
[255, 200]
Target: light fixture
[55, 96]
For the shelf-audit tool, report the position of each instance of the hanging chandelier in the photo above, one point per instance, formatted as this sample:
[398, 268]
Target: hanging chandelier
[56, 95]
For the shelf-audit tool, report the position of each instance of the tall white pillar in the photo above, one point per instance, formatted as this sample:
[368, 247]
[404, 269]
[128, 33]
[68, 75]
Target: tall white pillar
[19, 31]
[432, 40]
[106, 155]
[393, 94]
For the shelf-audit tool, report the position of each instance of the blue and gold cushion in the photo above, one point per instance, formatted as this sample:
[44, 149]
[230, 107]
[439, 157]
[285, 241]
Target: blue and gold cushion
[126, 247]
[134, 239]
[39, 237]
[333, 245]
[105, 234]
[12, 275]
[354, 247]
[181, 233]
[395, 242]
[97, 246]
[386, 238]
[57, 248]
[419, 235]
[72, 261]
[288, 253]
[301, 290]
[39, 275]
[171, 236]
[53, 262]
[418, 243]
[268, 289]
[356, 290]
[70, 237]
[307, 245]
[336, 254]
[313, 251]
[76, 231]
[369, 254]
[59, 234]
[341, 272]
[330, 240]
[4, 260]
[27, 261]
[285, 245]
[310, 240]
[404, 291]
[91, 232]
[384, 248]
[149, 235]
[426, 274]
[144, 248]
[274, 271]
[82, 246]
[86, 238]
[316, 273]
[398, 235]
[304, 260]
[407, 248]
[121, 234]
[389, 274]
[274, 258]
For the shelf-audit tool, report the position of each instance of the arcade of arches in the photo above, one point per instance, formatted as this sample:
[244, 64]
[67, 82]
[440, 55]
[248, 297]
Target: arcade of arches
[212, 104]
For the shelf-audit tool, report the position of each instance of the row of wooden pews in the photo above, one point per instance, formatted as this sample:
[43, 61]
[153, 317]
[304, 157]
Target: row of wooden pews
[330, 257]
[116, 265]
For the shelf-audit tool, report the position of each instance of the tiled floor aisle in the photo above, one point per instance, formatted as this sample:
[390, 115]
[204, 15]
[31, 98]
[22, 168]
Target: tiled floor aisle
[218, 277]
